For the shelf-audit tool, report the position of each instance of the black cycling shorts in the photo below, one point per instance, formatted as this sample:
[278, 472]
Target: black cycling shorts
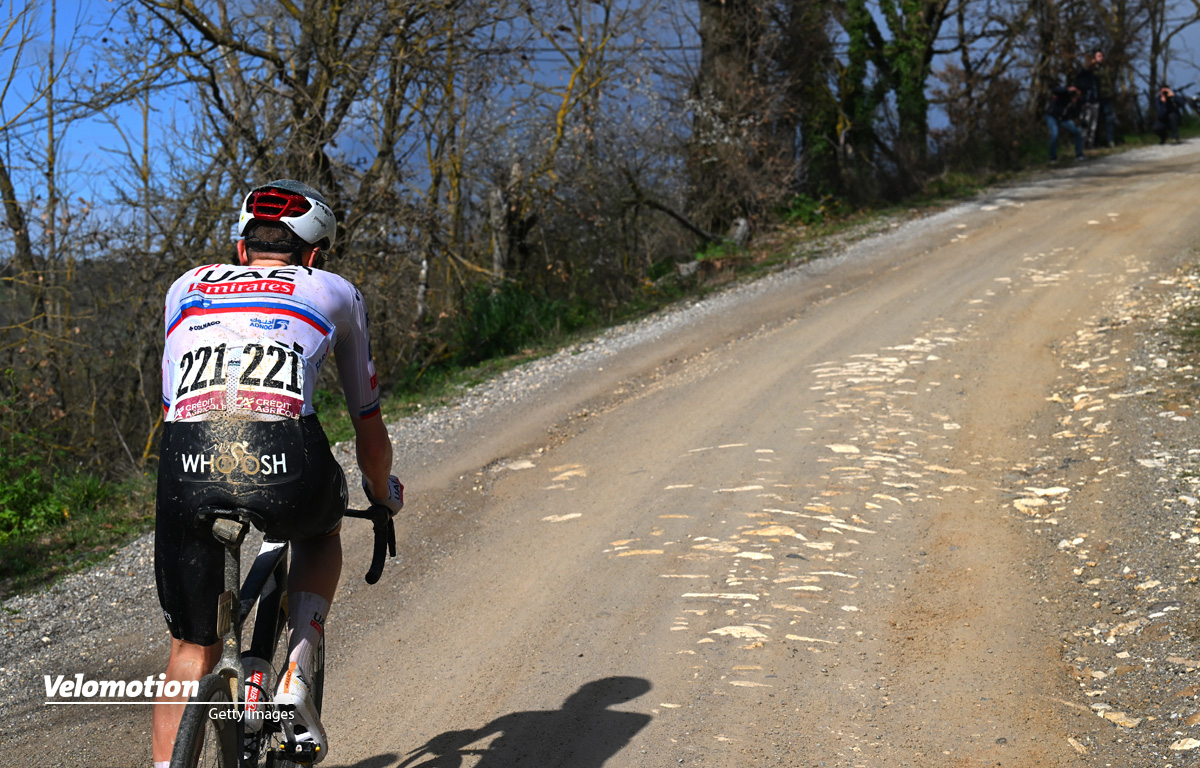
[283, 471]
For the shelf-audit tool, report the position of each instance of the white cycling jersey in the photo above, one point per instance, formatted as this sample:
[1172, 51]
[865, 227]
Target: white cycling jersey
[251, 340]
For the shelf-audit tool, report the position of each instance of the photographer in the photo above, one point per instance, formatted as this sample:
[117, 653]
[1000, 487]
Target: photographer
[1167, 110]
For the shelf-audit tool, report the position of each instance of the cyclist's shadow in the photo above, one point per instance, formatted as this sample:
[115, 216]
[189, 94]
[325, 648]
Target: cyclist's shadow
[585, 733]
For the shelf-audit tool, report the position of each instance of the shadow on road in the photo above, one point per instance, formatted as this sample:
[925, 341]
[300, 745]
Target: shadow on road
[379, 761]
[584, 733]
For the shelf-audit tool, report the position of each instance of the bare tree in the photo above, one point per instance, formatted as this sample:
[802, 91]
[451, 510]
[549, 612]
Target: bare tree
[36, 324]
[1165, 22]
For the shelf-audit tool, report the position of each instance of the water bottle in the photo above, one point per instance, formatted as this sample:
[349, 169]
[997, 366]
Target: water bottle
[258, 690]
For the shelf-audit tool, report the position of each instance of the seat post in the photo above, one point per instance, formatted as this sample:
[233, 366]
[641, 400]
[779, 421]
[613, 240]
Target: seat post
[230, 533]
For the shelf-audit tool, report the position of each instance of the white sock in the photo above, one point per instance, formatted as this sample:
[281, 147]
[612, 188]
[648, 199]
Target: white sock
[307, 612]
[162, 764]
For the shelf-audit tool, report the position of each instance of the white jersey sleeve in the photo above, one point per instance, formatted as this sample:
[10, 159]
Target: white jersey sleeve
[356, 365]
[253, 340]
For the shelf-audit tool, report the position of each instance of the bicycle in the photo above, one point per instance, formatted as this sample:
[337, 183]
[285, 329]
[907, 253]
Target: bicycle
[214, 731]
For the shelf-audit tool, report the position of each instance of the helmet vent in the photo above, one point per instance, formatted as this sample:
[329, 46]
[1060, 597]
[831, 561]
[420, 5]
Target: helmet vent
[274, 205]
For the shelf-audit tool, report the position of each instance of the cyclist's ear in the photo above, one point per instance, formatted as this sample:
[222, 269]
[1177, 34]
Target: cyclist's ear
[311, 258]
[243, 257]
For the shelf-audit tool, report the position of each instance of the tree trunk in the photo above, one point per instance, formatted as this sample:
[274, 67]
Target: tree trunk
[727, 42]
[498, 218]
[809, 61]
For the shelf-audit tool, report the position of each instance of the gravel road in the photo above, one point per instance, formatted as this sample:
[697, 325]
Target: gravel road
[929, 499]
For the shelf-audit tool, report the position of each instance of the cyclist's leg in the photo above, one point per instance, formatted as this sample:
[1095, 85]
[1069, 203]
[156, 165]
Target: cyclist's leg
[312, 581]
[318, 502]
[189, 577]
[316, 564]
[316, 545]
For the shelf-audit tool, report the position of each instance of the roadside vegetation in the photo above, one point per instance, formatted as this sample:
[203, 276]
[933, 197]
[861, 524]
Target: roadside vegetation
[55, 520]
[507, 177]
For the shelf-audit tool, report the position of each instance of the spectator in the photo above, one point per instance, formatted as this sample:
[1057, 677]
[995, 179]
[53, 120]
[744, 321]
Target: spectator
[1088, 83]
[1062, 115]
[1167, 109]
[1106, 93]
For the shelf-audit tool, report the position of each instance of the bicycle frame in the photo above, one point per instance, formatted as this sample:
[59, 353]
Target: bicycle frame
[265, 583]
[267, 580]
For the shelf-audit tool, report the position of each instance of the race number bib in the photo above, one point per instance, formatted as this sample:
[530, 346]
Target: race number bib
[261, 376]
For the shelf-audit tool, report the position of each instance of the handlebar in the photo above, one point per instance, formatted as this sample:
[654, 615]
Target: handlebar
[385, 537]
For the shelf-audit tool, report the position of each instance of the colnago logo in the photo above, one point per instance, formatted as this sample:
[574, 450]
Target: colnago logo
[201, 327]
[268, 324]
[63, 687]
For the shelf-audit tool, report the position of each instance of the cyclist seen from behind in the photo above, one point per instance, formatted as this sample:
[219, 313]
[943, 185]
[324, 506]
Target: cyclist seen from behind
[244, 345]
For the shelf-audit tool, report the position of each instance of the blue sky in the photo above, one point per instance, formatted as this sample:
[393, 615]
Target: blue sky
[89, 147]
[86, 146]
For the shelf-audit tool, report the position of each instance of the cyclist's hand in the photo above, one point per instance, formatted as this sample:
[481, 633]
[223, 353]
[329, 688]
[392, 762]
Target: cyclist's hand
[395, 494]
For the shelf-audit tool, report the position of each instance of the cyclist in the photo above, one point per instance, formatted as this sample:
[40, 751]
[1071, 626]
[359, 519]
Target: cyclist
[244, 344]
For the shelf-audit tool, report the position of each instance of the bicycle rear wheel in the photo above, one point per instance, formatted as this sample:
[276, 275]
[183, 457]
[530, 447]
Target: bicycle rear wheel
[208, 732]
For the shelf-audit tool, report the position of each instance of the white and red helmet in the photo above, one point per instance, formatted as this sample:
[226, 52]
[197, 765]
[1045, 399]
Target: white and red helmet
[297, 206]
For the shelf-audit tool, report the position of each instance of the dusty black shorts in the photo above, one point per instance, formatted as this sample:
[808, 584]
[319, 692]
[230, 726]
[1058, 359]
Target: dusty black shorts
[283, 471]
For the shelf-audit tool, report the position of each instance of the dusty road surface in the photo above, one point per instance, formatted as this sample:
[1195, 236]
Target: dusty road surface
[875, 511]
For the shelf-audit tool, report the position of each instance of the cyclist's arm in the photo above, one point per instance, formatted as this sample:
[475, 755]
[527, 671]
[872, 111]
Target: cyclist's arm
[373, 449]
[352, 352]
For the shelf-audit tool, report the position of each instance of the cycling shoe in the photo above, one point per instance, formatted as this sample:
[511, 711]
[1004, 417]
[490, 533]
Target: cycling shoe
[293, 694]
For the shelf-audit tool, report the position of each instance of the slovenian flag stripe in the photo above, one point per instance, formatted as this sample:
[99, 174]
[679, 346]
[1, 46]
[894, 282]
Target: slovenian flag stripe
[194, 307]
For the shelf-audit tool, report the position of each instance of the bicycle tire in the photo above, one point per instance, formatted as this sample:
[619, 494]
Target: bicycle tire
[257, 744]
[205, 738]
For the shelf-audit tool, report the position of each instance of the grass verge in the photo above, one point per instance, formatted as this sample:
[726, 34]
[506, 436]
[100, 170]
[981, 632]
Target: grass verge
[85, 531]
